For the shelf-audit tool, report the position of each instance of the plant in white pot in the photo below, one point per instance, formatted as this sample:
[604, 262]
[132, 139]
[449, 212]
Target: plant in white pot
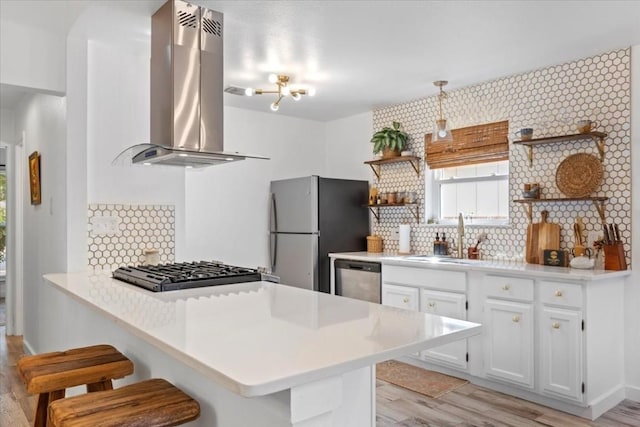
[389, 141]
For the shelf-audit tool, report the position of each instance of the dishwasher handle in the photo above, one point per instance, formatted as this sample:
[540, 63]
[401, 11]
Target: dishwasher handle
[373, 267]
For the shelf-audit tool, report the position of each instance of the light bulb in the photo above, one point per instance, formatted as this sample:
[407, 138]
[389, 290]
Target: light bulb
[249, 91]
[274, 106]
[285, 91]
[273, 78]
[296, 96]
[311, 91]
[442, 133]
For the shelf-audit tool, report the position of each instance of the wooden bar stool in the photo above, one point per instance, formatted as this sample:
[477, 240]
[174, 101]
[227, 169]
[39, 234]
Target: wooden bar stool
[50, 374]
[150, 403]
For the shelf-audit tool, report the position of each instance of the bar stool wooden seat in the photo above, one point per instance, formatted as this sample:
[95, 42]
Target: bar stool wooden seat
[50, 374]
[150, 403]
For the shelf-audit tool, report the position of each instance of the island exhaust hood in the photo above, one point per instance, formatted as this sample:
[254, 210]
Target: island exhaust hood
[186, 89]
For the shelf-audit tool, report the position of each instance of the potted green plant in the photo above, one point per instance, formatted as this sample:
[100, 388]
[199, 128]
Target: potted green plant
[389, 141]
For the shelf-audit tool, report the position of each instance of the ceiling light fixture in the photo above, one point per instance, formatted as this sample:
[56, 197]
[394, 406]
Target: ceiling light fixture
[283, 90]
[441, 130]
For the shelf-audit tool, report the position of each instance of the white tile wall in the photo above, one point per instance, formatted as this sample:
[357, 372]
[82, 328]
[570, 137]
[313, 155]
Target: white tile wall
[139, 227]
[550, 100]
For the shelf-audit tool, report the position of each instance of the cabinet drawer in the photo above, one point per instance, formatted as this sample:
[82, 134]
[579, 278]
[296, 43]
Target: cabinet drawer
[426, 278]
[511, 288]
[562, 294]
[400, 296]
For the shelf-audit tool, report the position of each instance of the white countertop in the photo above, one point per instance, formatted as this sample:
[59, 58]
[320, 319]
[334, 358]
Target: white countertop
[259, 338]
[497, 266]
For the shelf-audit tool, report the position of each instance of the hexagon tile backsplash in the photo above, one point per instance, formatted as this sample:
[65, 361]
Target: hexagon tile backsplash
[550, 100]
[119, 234]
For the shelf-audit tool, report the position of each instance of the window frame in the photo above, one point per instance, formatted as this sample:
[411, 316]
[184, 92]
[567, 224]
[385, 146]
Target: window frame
[434, 186]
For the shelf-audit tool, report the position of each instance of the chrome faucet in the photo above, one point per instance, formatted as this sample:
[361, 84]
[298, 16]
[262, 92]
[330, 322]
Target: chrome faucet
[460, 236]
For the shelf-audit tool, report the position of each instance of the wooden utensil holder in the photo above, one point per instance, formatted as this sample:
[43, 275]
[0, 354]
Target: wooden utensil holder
[614, 258]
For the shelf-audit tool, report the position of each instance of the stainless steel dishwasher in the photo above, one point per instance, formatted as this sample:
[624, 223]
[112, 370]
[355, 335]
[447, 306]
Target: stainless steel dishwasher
[358, 279]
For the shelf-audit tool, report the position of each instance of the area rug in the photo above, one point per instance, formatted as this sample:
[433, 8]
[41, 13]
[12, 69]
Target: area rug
[429, 383]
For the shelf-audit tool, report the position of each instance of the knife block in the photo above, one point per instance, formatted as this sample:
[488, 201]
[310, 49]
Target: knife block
[614, 258]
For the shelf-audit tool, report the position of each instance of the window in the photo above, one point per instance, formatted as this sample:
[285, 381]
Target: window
[469, 175]
[479, 191]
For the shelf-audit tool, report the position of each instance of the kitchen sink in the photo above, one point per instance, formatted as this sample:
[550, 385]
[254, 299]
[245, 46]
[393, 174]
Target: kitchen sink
[438, 259]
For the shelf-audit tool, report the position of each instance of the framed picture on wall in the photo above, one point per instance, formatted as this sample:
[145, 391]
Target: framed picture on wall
[34, 178]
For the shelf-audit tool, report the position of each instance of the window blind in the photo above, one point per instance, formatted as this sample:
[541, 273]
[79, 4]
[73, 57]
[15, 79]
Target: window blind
[471, 145]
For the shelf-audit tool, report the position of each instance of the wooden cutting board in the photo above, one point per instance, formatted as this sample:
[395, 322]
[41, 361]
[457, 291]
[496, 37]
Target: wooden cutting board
[548, 236]
[531, 254]
[540, 236]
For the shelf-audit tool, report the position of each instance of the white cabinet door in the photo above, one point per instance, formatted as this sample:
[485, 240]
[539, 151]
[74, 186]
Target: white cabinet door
[561, 352]
[400, 296]
[508, 341]
[447, 304]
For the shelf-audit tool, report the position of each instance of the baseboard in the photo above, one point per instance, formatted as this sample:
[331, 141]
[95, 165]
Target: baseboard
[607, 401]
[27, 347]
[632, 393]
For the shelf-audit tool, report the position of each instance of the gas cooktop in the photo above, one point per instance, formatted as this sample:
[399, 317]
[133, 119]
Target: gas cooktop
[171, 277]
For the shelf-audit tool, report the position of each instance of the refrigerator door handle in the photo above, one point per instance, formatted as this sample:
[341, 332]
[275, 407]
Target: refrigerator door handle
[274, 214]
[273, 250]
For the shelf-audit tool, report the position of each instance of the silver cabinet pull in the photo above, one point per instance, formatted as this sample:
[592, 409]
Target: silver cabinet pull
[506, 287]
[558, 293]
[555, 325]
[515, 319]
[405, 300]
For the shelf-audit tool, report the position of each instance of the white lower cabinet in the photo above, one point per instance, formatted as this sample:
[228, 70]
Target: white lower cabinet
[560, 331]
[561, 352]
[400, 296]
[561, 339]
[508, 338]
[447, 304]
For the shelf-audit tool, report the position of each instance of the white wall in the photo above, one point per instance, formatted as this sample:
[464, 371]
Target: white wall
[42, 119]
[227, 209]
[32, 58]
[7, 126]
[118, 118]
[77, 59]
[632, 290]
[347, 147]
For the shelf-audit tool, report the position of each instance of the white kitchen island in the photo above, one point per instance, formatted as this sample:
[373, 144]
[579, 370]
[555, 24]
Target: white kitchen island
[252, 354]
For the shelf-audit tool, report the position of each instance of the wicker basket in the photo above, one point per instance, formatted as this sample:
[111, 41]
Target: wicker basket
[374, 244]
[579, 175]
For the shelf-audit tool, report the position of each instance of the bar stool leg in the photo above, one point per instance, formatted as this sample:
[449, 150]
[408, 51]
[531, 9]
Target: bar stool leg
[44, 399]
[100, 386]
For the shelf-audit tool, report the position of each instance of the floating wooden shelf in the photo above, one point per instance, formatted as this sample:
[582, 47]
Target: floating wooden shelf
[375, 164]
[596, 137]
[597, 201]
[411, 207]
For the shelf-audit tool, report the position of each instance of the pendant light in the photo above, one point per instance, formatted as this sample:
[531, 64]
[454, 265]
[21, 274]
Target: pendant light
[441, 131]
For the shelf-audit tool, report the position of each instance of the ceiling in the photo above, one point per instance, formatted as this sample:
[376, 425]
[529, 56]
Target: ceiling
[362, 55]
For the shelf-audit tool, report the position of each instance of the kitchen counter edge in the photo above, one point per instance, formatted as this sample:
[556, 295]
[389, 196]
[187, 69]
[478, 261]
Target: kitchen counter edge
[489, 266]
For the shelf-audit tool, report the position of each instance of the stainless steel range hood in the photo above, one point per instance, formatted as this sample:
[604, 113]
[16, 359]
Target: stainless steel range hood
[186, 89]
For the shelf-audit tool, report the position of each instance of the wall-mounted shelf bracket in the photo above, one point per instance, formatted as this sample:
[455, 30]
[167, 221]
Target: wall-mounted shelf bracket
[597, 137]
[376, 164]
[598, 202]
[413, 208]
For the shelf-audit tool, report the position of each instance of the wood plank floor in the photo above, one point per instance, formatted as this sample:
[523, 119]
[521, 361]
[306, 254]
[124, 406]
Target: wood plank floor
[468, 405]
[471, 405]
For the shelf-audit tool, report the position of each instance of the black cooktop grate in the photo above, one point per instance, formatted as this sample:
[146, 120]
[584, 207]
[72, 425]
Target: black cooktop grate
[170, 277]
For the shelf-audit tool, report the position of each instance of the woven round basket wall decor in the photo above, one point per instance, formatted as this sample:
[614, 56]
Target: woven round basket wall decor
[579, 175]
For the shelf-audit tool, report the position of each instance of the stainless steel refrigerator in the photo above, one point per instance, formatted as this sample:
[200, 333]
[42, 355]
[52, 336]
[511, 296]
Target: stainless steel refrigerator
[311, 217]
